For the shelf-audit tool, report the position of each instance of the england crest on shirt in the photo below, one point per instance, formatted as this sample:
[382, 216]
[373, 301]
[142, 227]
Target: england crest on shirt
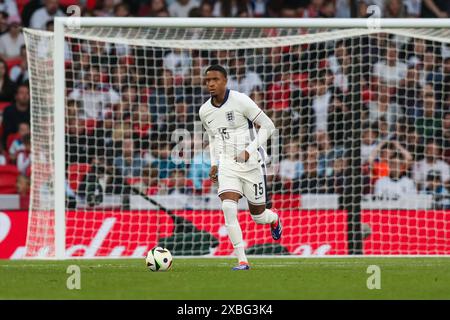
[230, 116]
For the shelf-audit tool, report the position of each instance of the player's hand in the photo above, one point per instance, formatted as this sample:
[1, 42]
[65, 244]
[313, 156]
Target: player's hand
[213, 174]
[242, 157]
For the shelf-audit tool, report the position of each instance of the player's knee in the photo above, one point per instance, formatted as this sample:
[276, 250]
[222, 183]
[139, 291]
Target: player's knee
[259, 218]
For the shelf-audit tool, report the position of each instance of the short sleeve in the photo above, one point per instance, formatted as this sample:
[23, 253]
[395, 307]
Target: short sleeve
[250, 108]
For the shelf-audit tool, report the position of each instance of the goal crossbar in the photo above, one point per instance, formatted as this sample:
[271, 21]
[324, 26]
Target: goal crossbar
[252, 22]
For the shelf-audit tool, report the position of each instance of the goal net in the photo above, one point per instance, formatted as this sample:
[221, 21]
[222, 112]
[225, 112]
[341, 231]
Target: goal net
[359, 163]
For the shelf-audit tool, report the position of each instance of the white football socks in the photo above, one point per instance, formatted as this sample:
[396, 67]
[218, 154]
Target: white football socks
[268, 216]
[230, 209]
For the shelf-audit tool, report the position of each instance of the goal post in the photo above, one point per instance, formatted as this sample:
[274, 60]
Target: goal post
[100, 52]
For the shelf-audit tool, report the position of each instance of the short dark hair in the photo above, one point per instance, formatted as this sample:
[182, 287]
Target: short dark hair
[216, 67]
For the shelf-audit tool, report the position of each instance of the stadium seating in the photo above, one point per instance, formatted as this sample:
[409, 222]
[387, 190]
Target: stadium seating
[8, 178]
[76, 174]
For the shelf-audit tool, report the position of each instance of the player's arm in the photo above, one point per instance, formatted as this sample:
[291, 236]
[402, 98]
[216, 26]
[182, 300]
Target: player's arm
[213, 159]
[266, 128]
[212, 152]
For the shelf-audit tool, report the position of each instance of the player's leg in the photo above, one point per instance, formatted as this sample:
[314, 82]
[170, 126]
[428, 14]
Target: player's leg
[254, 186]
[230, 191]
[262, 215]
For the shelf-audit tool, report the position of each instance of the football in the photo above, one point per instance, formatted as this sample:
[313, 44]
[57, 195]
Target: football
[159, 259]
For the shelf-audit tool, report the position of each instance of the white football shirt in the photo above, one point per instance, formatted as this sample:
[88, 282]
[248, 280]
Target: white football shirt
[231, 124]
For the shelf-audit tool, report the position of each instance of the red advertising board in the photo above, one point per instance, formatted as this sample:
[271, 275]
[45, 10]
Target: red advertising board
[321, 232]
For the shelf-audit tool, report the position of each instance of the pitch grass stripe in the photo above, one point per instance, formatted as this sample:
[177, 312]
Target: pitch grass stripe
[202, 278]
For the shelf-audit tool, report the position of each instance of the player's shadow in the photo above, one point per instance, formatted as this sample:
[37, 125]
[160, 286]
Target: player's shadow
[188, 240]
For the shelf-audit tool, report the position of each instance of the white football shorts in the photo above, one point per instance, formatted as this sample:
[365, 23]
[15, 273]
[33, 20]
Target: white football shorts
[250, 184]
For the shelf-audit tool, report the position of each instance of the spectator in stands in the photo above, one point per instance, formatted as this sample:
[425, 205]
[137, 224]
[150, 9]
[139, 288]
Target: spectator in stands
[17, 144]
[232, 8]
[94, 94]
[326, 153]
[328, 9]
[129, 94]
[382, 127]
[3, 159]
[3, 22]
[368, 142]
[206, 9]
[278, 98]
[291, 166]
[310, 181]
[7, 87]
[384, 107]
[339, 122]
[12, 41]
[273, 8]
[152, 8]
[10, 7]
[183, 115]
[165, 163]
[122, 130]
[413, 8]
[141, 124]
[435, 187]
[122, 76]
[194, 13]
[340, 63]
[341, 172]
[242, 79]
[193, 83]
[19, 73]
[432, 161]
[149, 182]
[390, 70]
[312, 10]
[379, 159]
[288, 12]
[104, 8]
[428, 123]
[48, 12]
[181, 8]
[122, 10]
[343, 8]
[397, 185]
[23, 190]
[409, 94]
[200, 166]
[130, 162]
[415, 51]
[178, 184]
[414, 143]
[394, 9]
[445, 139]
[178, 62]
[432, 72]
[16, 113]
[162, 100]
[435, 9]
[320, 101]
[24, 156]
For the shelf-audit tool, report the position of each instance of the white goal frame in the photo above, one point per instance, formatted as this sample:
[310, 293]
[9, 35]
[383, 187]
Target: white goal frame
[72, 22]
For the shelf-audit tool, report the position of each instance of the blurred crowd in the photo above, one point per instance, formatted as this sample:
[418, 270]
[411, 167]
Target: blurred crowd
[125, 102]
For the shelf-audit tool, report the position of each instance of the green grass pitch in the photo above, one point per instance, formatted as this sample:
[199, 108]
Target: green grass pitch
[271, 278]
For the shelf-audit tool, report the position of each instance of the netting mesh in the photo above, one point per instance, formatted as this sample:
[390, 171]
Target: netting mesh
[361, 164]
[41, 222]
